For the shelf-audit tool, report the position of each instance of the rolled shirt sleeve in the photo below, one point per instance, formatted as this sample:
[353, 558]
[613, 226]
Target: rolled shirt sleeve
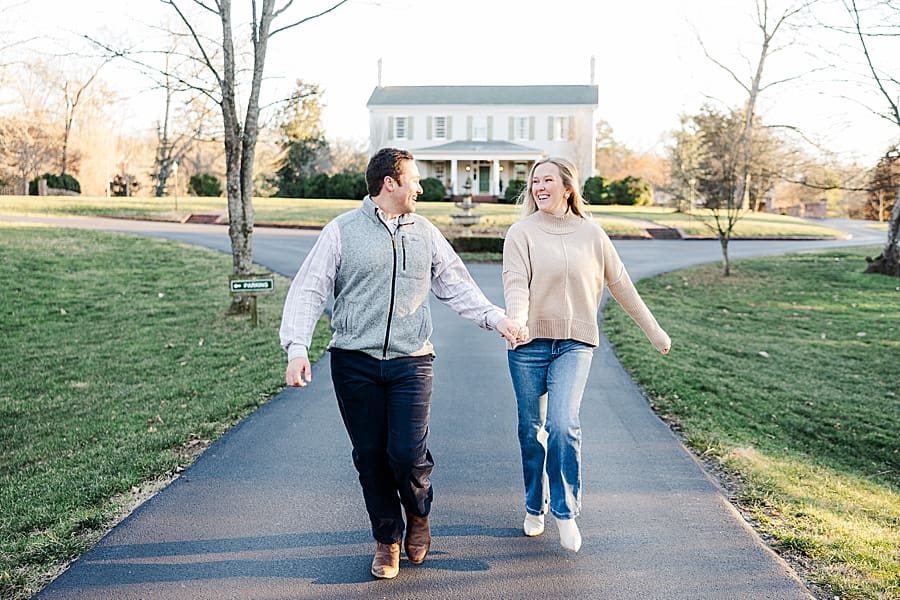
[453, 285]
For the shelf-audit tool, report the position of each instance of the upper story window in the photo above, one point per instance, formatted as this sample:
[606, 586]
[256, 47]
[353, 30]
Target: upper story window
[440, 127]
[480, 128]
[401, 128]
[520, 128]
[560, 128]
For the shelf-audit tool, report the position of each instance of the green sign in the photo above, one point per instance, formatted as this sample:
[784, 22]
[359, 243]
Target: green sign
[262, 285]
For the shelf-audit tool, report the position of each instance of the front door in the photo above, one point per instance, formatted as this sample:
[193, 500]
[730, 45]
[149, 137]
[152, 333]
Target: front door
[484, 179]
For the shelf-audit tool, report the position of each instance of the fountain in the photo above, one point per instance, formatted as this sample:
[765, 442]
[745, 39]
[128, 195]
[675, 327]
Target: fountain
[466, 217]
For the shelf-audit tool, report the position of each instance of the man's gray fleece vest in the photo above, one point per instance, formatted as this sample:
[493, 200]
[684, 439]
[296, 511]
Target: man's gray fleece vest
[382, 285]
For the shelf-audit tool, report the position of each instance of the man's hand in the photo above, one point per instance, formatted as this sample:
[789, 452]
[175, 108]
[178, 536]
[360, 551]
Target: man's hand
[298, 372]
[510, 330]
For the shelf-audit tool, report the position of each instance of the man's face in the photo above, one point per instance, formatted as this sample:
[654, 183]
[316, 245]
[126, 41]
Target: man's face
[405, 190]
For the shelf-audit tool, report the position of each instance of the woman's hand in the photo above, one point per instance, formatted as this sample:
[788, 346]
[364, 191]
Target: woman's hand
[508, 328]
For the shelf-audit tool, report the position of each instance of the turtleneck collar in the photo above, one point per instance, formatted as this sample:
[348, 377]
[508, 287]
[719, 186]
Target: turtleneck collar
[568, 222]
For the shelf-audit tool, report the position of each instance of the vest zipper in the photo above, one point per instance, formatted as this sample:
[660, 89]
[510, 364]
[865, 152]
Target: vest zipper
[387, 330]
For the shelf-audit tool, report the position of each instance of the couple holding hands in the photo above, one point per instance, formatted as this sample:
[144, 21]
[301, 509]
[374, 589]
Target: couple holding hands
[381, 261]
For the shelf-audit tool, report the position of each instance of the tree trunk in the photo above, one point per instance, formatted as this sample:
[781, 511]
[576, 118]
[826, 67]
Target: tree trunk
[164, 154]
[726, 263]
[161, 178]
[65, 150]
[888, 262]
[241, 249]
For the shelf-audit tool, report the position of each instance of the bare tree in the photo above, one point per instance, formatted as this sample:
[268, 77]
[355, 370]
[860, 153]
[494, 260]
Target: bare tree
[888, 86]
[184, 123]
[347, 156]
[28, 145]
[684, 155]
[768, 26]
[240, 135]
[610, 155]
[72, 91]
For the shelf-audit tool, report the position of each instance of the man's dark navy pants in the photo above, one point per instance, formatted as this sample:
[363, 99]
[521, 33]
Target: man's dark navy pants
[385, 405]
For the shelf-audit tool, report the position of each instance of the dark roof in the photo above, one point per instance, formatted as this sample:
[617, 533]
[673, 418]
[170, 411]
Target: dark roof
[484, 94]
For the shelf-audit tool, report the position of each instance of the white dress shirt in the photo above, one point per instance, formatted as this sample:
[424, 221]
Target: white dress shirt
[451, 283]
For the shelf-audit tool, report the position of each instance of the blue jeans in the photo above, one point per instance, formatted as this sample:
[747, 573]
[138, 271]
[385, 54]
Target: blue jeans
[548, 377]
[385, 406]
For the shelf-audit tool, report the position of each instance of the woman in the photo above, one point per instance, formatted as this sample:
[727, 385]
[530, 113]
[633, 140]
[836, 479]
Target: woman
[556, 264]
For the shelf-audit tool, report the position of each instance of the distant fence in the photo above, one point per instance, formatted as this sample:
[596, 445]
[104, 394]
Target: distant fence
[13, 189]
[815, 210]
[812, 210]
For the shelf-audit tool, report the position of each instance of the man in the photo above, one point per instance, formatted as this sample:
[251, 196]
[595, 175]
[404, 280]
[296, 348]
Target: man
[380, 261]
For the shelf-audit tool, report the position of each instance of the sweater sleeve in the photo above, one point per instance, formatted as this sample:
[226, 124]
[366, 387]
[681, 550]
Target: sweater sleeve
[622, 289]
[516, 275]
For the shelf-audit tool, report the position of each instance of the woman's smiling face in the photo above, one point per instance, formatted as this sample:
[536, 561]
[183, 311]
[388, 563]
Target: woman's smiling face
[548, 190]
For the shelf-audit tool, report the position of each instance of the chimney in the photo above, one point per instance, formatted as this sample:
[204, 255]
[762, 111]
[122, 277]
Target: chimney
[593, 61]
[379, 72]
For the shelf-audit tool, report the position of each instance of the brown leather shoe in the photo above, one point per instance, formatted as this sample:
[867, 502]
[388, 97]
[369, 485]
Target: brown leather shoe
[386, 563]
[418, 538]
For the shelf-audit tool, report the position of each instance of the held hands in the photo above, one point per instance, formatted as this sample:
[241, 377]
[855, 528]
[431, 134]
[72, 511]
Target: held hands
[512, 331]
[298, 372]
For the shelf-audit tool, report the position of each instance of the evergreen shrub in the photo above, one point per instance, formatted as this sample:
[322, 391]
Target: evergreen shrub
[433, 190]
[513, 190]
[205, 185]
[59, 182]
[477, 243]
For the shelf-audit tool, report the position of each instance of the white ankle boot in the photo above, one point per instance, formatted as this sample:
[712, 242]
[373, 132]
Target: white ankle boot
[534, 525]
[569, 536]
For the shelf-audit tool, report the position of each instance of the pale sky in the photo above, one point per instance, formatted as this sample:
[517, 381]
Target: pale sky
[649, 65]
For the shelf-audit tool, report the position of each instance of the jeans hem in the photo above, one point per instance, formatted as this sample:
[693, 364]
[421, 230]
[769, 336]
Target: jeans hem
[561, 518]
[381, 541]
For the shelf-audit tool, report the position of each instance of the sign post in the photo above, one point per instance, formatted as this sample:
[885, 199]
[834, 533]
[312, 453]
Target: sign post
[252, 285]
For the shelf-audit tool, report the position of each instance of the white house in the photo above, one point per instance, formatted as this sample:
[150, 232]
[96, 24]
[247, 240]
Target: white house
[476, 138]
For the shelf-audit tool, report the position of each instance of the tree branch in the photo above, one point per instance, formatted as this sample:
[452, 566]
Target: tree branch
[206, 59]
[301, 21]
[721, 65]
[792, 78]
[202, 5]
[854, 14]
[127, 55]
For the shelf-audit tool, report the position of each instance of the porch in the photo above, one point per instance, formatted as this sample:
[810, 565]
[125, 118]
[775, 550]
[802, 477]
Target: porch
[481, 170]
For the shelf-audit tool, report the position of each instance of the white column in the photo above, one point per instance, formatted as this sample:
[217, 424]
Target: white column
[453, 177]
[495, 177]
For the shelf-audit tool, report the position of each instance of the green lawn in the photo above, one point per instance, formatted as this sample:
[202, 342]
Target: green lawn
[784, 377]
[616, 220]
[699, 223]
[117, 366]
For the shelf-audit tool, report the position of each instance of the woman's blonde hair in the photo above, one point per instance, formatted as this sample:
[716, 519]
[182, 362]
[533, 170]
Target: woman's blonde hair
[569, 175]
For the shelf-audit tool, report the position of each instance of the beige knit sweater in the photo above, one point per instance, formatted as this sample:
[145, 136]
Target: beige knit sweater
[554, 273]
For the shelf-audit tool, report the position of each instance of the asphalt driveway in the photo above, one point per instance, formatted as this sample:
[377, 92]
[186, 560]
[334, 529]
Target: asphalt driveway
[273, 509]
